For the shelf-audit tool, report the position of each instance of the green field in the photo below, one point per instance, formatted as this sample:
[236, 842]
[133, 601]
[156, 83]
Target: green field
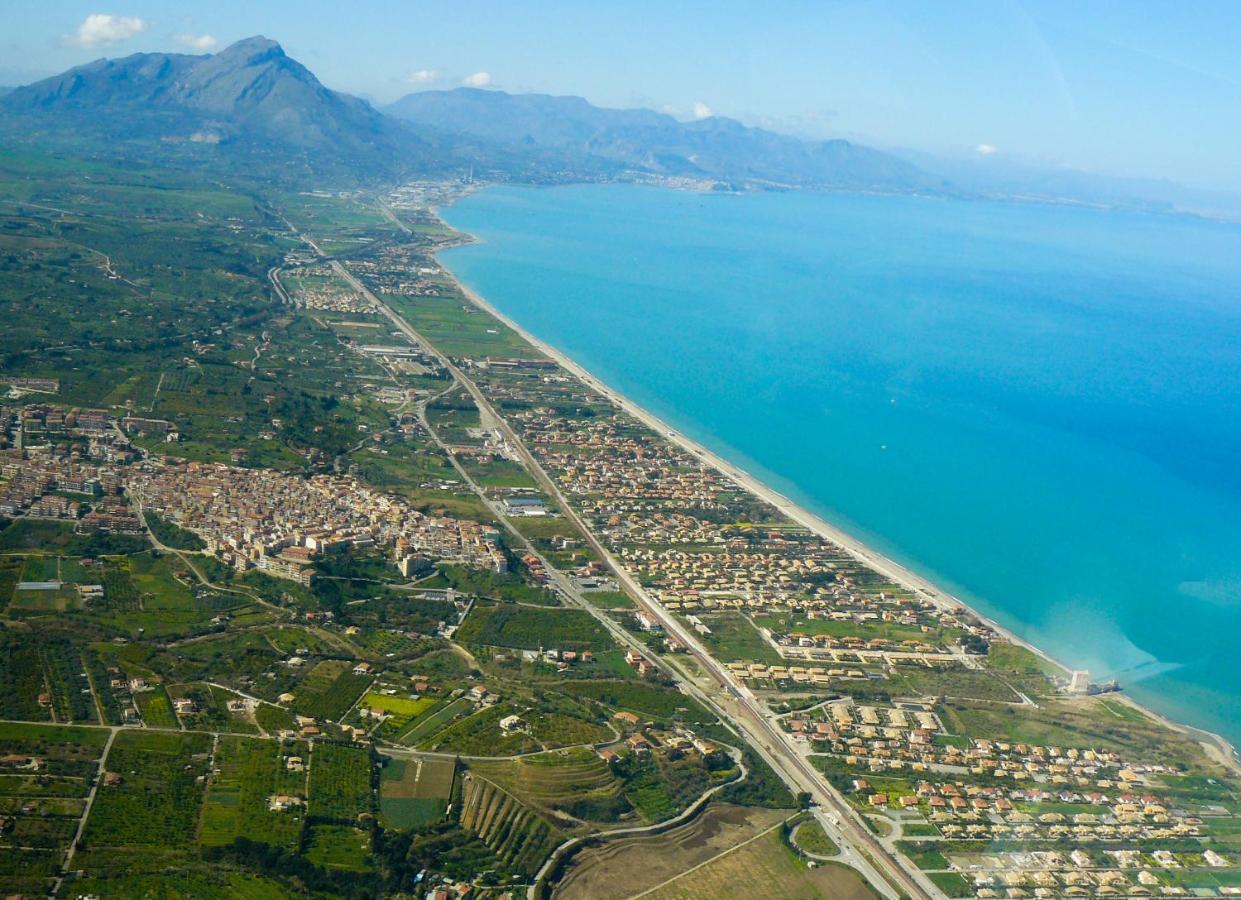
[329, 690]
[530, 629]
[641, 698]
[156, 708]
[340, 782]
[734, 637]
[814, 840]
[435, 720]
[339, 847]
[413, 793]
[248, 772]
[157, 803]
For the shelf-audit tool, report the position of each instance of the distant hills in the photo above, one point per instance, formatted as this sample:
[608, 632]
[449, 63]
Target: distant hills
[250, 96]
[713, 148]
[251, 88]
[252, 112]
[253, 106]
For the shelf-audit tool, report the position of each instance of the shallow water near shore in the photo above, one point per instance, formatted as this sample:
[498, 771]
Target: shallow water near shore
[1038, 407]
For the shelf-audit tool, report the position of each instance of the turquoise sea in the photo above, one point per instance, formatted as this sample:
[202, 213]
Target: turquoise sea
[1039, 407]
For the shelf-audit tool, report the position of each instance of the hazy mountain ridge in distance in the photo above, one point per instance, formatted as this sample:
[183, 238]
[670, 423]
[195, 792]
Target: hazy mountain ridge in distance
[251, 109]
[712, 148]
[1002, 178]
[250, 94]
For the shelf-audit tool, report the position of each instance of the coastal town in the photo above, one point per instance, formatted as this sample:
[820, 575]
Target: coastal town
[381, 571]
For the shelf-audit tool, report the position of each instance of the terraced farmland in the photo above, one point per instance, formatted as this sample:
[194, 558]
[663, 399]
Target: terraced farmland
[516, 834]
[570, 788]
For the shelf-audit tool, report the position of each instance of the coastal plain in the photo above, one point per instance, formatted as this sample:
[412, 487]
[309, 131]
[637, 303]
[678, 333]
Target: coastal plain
[336, 583]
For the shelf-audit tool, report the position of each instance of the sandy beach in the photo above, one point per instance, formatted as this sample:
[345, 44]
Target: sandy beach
[1215, 745]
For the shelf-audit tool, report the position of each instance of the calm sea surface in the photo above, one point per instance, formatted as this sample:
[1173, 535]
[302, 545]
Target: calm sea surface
[1039, 407]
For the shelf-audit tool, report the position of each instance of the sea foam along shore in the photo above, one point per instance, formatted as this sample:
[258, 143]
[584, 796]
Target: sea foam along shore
[1215, 745]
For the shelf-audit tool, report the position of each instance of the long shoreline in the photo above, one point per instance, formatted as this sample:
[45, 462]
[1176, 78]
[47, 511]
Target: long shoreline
[1216, 745]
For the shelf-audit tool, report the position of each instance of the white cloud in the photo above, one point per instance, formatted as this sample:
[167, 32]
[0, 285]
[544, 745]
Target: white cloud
[198, 41]
[423, 76]
[478, 79]
[104, 29]
[987, 149]
[702, 111]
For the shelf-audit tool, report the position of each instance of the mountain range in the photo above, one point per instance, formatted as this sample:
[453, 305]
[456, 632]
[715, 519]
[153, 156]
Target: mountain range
[252, 102]
[251, 111]
[713, 148]
[250, 97]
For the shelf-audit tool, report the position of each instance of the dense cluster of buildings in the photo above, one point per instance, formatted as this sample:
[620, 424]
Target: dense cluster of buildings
[695, 539]
[64, 465]
[279, 523]
[392, 272]
[318, 287]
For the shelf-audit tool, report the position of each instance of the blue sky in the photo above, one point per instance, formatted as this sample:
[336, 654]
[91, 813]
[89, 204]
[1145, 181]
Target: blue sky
[1144, 87]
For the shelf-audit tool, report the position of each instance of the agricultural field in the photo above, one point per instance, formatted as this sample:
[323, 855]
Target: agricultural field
[42, 805]
[399, 711]
[768, 861]
[518, 835]
[435, 720]
[248, 773]
[625, 866]
[414, 791]
[153, 811]
[329, 690]
[339, 847]
[644, 699]
[200, 883]
[10, 575]
[273, 719]
[568, 787]
[480, 735]
[41, 677]
[341, 779]
[659, 788]
[338, 224]
[21, 679]
[526, 628]
[734, 637]
[556, 729]
[458, 328]
[155, 707]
